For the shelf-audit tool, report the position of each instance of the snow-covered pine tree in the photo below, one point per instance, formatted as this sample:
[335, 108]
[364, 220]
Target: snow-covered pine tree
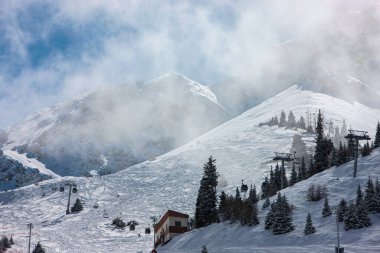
[277, 178]
[342, 210]
[326, 209]
[11, 240]
[266, 203]
[206, 208]
[362, 215]
[282, 222]
[370, 196]
[309, 228]
[293, 177]
[377, 136]
[77, 206]
[204, 249]
[351, 220]
[38, 248]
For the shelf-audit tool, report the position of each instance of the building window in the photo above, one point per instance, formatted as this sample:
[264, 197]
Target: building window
[177, 223]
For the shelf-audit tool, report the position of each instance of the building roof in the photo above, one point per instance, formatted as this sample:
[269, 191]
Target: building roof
[169, 213]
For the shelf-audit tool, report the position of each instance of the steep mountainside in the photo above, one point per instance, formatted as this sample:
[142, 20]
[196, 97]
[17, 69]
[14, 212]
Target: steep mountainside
[112, 129]
[242, 149]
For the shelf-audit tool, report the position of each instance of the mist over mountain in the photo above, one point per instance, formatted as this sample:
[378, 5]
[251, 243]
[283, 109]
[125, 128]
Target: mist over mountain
[111, 129]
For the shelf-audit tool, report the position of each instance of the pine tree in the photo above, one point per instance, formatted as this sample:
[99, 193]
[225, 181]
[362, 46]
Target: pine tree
[265, 188]
[377, 198]
[38, 248]
[266, 203]
[291, 120]
[334, 158]
[359, 196]
[277, 178]
[293, 177]
[370, 196]
[253, 195]
[342, 210]
[204, 249]
[351, 220]
[237, 206]
[323, 147]
[252, 218]
[282, 220]
[341, 155]
[302, 175]
[222, 208]
[77, 206]
[282, 121]
[302, 123]
[362, 215]
[11, 240]
[309, 228]
[5, 242]
[326, 209]
[377, 136]
[206, 209]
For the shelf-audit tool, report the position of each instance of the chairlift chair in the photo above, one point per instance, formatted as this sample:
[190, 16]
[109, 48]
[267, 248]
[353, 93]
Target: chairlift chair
[244, 187]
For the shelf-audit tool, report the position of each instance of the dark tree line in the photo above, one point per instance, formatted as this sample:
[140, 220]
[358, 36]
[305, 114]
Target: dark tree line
[355, 213]
[236, 209]
[291, 122]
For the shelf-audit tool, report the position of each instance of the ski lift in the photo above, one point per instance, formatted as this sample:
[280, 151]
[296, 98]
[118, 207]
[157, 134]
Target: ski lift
[75, 190]
[244, 187]
[61, 189]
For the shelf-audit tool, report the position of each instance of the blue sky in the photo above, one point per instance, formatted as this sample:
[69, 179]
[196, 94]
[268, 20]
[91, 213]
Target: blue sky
[51, 51]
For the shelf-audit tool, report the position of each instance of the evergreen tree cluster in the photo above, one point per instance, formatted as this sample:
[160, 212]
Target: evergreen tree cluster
[291, 122]
[206, 205]
[272, 185]
[5, 243]
[355, 213]
[279, 217]
[236, 209]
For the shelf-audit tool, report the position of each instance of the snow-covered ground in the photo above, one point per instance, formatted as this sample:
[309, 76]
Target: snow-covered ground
[242, 151]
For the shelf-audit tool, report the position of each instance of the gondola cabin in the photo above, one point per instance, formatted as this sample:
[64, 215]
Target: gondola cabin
[171, 224]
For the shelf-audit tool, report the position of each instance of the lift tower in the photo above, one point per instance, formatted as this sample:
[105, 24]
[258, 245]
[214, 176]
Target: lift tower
[282, 157]
[70, 184]
[357, 136]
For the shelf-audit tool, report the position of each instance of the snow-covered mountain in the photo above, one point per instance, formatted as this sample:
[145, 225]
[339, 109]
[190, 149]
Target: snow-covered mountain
[17, 170]
[242, 150]
[111, 129]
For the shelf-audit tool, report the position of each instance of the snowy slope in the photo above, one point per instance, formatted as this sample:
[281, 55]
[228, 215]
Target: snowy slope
[242, 151]
[111, 129]
[30, 163]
